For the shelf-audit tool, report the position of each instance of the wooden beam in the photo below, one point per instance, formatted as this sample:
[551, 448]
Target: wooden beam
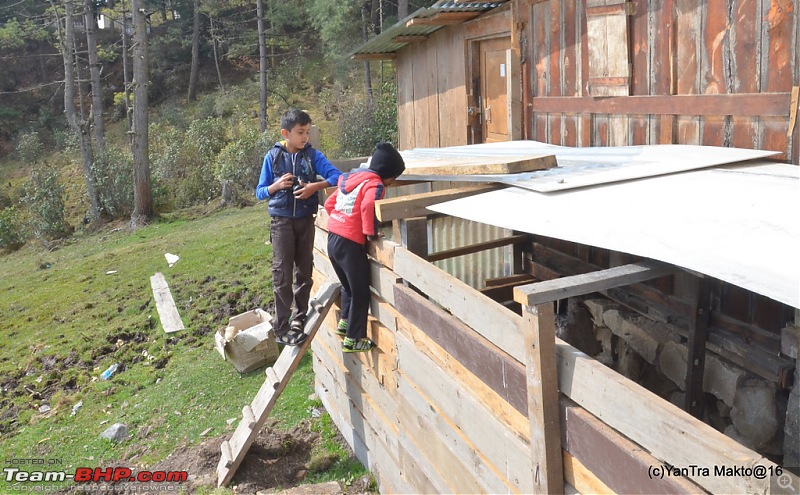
[740, 105]
[494, 322]
[416, 205]
[624, 8]
[443, 19]
[383, 251]
[465, 345]
[576, 285]
[611, 458]
[502, 293]
[698, 336]
[478, 165]
[584, 481]
[790, 341]
[476, 248]
[409, 39]
[539, 329]
[375, 56]
[167, 311]
[518, 279]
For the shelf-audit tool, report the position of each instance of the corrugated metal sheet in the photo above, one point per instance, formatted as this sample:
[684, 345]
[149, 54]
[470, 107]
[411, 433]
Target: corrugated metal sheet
[453, 232]
[473, 269]
[384, 42]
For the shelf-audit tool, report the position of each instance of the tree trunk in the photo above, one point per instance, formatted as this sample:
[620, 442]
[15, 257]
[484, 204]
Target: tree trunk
[81, 131]
[402, 9]
[192, 96]
[125, 75]
[142, 195]
[262, 66]
[367, 75]
[376, 19]
[216, 56]
[90, 20]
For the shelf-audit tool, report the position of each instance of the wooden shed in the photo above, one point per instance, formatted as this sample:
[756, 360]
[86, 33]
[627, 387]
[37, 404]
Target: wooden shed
[470, 389]
[597, 73]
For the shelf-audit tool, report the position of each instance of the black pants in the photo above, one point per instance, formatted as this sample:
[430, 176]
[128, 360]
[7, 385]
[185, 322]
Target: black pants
[349, 260]
[292, 260]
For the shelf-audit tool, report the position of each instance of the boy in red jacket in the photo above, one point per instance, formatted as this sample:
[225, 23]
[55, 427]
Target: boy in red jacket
[351, 223]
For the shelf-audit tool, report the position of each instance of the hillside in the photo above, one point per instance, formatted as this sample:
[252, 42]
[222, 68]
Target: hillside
[73, 312]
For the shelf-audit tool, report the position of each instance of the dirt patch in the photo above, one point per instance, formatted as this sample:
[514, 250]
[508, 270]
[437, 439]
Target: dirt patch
[276, 460]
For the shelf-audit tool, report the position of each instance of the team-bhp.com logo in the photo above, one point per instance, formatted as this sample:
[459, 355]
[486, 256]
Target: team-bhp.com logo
[95, 475]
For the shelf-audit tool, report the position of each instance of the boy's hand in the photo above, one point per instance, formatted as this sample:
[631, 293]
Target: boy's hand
[307, 190]
[375, 237]
[285, 182]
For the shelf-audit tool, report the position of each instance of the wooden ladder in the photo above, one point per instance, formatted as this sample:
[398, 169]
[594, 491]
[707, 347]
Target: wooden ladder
[255, 414]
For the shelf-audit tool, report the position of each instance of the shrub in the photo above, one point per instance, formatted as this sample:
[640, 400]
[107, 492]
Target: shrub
[12, 236]
[113, 174]
[362, 127]
[183, 162]
[238, 165]
[30, 147]
[44, 196]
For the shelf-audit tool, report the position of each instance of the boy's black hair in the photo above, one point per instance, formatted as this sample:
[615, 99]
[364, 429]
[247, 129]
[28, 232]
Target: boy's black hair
[293, 117]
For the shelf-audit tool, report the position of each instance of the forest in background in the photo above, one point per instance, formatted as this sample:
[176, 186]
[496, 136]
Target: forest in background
[72, 108]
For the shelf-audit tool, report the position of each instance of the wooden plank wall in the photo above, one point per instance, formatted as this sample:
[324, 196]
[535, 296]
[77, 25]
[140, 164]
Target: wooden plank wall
[676, 47]
[431, 94]
[441, 404]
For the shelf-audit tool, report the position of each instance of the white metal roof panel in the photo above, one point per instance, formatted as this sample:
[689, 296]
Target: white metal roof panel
[580, 167]
[737, 223]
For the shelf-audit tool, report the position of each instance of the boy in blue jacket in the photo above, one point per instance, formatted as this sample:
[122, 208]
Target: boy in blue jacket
[289, 181]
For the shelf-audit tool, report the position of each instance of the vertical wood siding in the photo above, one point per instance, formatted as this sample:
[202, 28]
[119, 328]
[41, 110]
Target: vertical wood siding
[676, 47]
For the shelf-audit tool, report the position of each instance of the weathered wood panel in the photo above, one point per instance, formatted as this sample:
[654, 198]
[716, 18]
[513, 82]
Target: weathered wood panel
[452, 103]
[641, 47]
[404, 70]
[496, 448]
[540, 47]
[689, 59]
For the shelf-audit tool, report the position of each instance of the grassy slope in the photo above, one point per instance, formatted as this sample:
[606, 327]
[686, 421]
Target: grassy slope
[65, 321]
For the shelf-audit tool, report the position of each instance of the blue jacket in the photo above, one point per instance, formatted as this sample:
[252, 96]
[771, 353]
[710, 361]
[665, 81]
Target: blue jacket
[306, 164]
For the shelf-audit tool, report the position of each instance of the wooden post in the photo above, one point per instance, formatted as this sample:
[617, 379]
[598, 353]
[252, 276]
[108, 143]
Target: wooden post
[698, 334]
[412, 233]
[539, 332]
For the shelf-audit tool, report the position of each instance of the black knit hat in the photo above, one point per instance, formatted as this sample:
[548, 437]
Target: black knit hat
[386, 161]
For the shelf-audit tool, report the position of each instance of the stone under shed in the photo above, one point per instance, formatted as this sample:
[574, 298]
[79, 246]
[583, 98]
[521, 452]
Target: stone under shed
[610, 344]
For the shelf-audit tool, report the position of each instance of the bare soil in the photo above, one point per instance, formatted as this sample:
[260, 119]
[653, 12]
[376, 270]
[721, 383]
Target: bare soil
[277, 460]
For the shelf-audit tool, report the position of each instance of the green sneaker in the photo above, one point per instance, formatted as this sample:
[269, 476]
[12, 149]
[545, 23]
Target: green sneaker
[360, 345]
[341, 328]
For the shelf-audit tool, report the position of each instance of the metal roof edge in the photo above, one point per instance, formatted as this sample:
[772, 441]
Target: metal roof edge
[383, 43]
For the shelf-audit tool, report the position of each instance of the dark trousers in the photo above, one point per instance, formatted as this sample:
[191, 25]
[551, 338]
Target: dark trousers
[292, 255]
[349, 260]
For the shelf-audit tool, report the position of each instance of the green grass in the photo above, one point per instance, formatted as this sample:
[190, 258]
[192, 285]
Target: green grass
[65, 321]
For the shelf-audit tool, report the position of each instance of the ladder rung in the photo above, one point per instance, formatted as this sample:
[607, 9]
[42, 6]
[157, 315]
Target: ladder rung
[248, 417]
[227, 455]
[272, 377]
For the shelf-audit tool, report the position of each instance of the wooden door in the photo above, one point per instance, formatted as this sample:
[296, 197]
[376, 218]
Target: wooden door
[495, 74]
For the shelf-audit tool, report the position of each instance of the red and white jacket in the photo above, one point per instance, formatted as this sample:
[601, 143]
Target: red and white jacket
[351, 208]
